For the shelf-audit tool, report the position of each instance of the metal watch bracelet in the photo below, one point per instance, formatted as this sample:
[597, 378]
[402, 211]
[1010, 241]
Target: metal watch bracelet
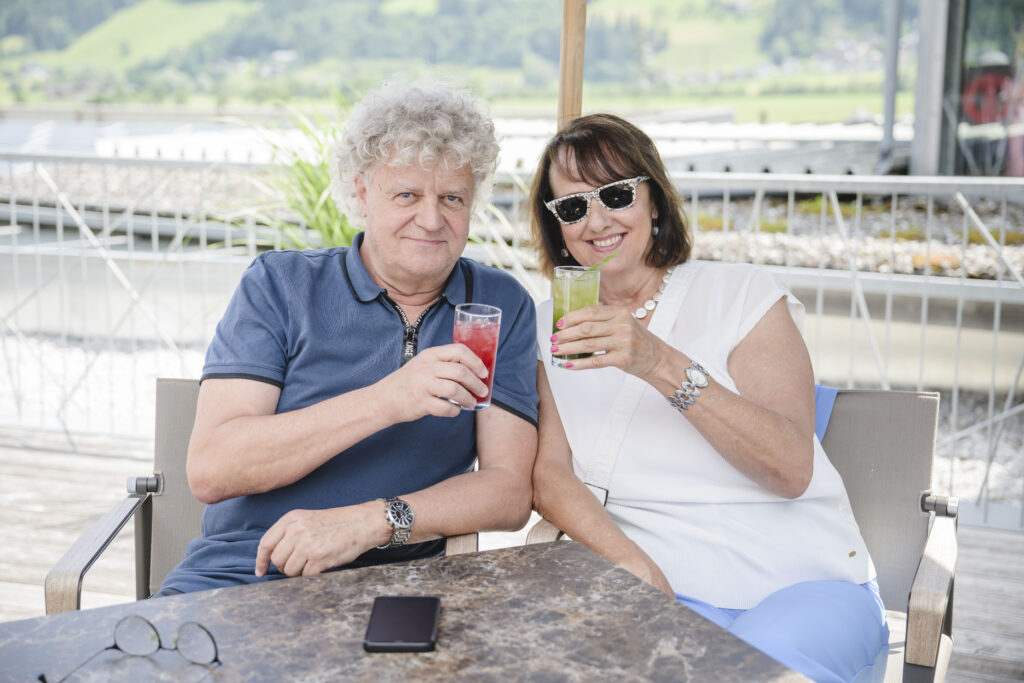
[689, 389]
[400, 516]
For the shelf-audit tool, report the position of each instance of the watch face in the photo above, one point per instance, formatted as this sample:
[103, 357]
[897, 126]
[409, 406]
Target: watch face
[401, 514]
[698, 378]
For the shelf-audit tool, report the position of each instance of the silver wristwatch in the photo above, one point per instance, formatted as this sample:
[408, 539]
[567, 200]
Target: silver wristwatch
[696, 379]
[400, 516]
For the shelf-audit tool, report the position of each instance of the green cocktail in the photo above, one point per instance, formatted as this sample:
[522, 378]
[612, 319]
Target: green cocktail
[572, 288]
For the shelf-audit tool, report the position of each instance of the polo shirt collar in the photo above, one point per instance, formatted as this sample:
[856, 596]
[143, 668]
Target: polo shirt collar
[367, 290]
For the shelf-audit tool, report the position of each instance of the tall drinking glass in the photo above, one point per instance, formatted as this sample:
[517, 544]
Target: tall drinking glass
[572, 288]
[477, 326]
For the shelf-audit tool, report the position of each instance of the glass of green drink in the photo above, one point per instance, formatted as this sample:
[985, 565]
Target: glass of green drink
[572, 288]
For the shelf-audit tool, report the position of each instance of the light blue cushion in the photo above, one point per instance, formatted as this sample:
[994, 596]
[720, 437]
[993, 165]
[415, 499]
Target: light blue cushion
[824, 399]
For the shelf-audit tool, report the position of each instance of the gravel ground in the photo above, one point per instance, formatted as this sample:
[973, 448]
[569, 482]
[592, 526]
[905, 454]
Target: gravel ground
[876, 238]
[879, 238]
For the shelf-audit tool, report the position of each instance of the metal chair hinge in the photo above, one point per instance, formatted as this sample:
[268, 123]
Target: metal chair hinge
[943, 506]
[141, 485]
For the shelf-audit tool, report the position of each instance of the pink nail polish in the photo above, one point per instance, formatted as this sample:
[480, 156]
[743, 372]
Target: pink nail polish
[559, 324]
[568, 365]
[554, 338]
[554, 349]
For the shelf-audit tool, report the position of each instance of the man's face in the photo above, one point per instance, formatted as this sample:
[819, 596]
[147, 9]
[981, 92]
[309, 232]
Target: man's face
[417, 223]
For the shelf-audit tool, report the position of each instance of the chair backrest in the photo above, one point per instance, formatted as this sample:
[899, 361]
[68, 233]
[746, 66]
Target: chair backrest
[883, 443]
[177, 515]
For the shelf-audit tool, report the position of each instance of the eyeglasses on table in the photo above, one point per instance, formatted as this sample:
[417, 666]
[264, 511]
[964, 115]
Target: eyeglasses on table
[136, 637]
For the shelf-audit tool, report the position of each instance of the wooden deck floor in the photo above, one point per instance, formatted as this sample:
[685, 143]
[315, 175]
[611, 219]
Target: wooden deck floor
[49, 496]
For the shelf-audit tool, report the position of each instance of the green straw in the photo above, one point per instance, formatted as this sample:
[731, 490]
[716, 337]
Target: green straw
[607, 258]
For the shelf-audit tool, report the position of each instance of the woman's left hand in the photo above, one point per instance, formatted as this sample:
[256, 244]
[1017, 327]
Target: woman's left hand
[644, 568]
[627, 345]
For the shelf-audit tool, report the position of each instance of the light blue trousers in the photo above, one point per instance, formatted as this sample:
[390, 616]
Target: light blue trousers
[830, 631]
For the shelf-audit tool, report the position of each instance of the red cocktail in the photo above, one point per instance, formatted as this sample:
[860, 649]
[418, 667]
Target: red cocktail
[477, 326]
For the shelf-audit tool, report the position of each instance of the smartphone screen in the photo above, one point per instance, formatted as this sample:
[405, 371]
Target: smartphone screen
[403, 624]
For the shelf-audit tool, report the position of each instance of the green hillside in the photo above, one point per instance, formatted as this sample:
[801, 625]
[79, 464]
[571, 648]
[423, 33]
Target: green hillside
[147, 31]
[640, 54]
[152, 29]
[700, 36]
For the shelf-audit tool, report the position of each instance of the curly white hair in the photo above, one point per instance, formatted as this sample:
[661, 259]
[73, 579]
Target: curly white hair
[402, 124]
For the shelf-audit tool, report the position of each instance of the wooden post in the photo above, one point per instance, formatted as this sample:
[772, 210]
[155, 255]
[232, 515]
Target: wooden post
[570, 69]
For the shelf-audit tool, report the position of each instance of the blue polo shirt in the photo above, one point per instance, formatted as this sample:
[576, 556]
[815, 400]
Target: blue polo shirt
[316, 325]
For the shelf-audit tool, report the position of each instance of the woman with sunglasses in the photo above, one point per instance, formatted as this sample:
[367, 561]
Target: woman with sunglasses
[698, 402]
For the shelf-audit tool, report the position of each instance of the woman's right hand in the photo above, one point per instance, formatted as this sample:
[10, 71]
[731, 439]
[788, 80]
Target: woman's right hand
[625, 343]
[640, 565]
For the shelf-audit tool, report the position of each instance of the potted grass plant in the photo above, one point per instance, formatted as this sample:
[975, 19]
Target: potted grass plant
[301, 210]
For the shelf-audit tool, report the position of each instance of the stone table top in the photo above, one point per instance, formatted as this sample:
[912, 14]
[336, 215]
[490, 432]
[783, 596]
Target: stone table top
[545, 612]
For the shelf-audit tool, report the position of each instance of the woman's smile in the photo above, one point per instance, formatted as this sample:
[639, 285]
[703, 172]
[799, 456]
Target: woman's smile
[608, 243]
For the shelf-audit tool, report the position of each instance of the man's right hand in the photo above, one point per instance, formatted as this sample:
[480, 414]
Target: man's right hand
[308, 542]
[424, 384]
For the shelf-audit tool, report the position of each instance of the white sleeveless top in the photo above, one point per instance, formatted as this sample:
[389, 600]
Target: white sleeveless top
[715, 534]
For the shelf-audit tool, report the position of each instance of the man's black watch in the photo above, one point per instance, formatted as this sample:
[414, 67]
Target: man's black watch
[400, 516]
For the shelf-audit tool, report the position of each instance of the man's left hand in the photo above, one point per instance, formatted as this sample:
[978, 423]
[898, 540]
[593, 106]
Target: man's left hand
[308, 542]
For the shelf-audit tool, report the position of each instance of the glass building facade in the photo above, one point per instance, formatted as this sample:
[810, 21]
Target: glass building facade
[982, 130]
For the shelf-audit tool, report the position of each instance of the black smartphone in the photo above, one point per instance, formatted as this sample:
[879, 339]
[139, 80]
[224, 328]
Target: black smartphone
[403, 623]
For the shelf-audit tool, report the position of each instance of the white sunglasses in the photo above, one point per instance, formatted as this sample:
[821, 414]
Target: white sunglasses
[615, 196]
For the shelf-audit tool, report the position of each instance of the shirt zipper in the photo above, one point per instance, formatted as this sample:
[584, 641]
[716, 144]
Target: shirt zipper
[410, 335]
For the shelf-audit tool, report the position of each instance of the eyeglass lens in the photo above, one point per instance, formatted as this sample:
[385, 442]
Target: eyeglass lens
[136, 636]
[616, 196]
[195, 644]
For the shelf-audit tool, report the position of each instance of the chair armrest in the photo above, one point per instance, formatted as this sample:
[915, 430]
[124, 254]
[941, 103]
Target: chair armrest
[930, 606]
[543, 532]
[63, 585]
[463, 543]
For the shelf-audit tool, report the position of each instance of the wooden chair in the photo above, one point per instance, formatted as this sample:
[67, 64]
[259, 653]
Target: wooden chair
[166, 514]
[882, 443]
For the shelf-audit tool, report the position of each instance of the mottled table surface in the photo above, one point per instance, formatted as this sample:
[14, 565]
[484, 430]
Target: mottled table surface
[545, 612]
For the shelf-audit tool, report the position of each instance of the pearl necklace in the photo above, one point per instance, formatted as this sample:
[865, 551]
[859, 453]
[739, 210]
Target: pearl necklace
[652, 303]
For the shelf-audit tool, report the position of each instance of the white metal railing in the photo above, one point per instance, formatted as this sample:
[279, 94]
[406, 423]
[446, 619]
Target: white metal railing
[116, 271]
[977, 360]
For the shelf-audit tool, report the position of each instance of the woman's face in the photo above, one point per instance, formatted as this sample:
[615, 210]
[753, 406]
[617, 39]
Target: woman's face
[603, 231]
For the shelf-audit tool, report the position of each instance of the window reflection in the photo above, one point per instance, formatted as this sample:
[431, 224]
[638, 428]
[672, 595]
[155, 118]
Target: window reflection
[989, 99]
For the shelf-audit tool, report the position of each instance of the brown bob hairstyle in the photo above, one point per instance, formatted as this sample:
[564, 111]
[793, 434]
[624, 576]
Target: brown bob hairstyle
[605, 148]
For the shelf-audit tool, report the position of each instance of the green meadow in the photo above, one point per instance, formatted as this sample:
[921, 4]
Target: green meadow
[147, 31]
[698, 36]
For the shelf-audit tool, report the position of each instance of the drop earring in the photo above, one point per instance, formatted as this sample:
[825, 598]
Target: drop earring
[564, 253]
[654, 229]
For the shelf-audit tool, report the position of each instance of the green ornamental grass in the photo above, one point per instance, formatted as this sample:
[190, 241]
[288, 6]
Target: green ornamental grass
[303, 212]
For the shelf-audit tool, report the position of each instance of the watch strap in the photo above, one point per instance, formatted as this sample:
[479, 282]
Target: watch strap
[400, 533]
[688, 390]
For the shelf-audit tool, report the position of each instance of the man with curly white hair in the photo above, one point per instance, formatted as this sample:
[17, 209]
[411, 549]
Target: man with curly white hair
[329, 431]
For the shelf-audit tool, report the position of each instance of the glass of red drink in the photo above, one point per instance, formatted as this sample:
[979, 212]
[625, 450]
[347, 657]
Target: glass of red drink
[477, 326]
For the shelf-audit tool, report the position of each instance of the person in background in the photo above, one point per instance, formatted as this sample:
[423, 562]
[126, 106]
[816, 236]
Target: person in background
[720, 495]
[329, 431]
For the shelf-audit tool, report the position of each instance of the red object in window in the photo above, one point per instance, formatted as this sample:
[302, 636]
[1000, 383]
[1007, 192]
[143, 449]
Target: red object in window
[986, 97]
